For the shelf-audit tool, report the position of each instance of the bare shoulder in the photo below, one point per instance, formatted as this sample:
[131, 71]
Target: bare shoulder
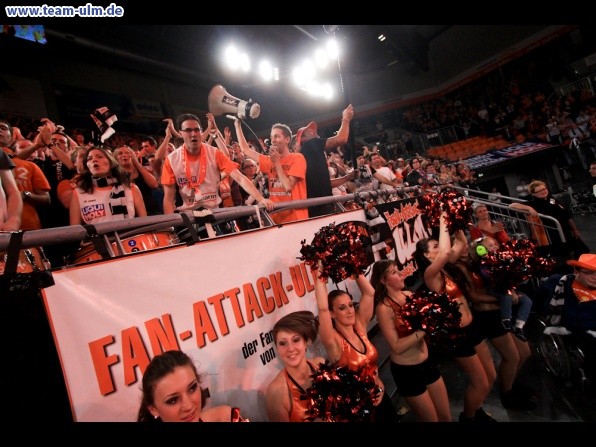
[277, 383]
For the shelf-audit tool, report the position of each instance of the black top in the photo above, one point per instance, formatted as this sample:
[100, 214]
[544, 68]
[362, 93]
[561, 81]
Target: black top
[551, 207]
[318, 180]
[151, 204]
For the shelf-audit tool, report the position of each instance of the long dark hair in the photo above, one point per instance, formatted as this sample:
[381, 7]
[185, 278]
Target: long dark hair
[85, 180]
[332, 296]
[458, 277]
[160, 366]
[378, 272]
[422, 261]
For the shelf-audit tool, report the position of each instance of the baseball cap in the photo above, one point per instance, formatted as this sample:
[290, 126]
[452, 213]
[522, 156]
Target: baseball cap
[312, 126]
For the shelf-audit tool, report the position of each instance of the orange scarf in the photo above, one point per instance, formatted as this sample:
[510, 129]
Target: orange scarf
[583, 293]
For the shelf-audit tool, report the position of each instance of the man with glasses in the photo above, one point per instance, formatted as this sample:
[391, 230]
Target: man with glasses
[196, 168]
[542, 202]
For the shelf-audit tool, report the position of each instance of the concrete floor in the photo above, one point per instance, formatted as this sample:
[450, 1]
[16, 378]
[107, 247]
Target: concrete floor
[557, 401]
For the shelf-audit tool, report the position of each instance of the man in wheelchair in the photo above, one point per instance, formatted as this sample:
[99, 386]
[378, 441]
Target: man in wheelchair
[572, 307]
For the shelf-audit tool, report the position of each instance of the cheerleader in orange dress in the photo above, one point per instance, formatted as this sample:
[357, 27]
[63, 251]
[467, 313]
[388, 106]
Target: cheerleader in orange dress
[285, 394]
[343, 332]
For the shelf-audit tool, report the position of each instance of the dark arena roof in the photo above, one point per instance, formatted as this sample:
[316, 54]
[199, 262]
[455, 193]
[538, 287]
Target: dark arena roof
[413, 60]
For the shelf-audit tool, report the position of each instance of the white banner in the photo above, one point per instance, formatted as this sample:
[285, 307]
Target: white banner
[216, 300]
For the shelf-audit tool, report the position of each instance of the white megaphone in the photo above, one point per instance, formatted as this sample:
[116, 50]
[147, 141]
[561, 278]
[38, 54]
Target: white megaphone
[221, 102]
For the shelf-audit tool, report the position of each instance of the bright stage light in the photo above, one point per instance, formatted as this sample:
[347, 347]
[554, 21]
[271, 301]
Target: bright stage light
[327, 91]
[244, 62]
[298, 76]
[306, 75]
[321, 58]
[232, 57]
[332, 49]
[266, 71]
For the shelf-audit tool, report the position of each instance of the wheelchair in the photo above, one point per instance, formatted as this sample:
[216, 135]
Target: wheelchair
[563, 354]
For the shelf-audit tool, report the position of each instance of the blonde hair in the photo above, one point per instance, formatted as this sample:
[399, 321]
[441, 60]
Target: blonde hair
[535, 184]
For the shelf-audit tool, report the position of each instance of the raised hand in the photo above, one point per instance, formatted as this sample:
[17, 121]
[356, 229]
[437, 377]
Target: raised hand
[171, 128]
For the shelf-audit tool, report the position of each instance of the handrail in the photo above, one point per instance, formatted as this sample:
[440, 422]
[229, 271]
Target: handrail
[469, 193]
[59, 235]
[73, 233]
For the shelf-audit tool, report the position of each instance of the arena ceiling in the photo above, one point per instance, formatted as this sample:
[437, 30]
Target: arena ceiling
[412, 58]
[197, 46]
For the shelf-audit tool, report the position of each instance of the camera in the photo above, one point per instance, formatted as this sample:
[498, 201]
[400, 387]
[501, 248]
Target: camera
[267, 143]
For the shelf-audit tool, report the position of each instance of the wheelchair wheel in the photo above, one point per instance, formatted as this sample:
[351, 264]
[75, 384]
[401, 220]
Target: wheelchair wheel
[551, 349]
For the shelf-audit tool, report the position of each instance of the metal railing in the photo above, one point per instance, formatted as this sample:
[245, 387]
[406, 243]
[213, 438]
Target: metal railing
[117, 230]
[518, 224]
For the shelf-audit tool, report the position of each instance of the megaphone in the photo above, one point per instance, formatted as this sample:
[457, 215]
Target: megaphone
[221, 102]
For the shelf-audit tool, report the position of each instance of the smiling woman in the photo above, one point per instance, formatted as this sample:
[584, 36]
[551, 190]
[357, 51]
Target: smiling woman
[172, 393]
[286, 394]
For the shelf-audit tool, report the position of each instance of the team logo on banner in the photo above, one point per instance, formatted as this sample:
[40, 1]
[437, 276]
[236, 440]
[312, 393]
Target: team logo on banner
[395, 228]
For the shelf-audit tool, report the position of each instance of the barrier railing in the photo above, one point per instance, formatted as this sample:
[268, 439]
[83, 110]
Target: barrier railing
[73, 233]
[519, 224]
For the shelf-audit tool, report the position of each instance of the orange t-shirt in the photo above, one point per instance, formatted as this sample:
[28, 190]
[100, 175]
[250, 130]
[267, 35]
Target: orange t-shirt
[29, 177]
[293, 165]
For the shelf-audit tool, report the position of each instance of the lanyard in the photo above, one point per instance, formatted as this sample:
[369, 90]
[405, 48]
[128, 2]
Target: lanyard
[202, 169]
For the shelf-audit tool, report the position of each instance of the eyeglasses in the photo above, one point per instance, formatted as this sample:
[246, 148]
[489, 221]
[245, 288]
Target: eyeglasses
[537, 191]
[196, 130]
